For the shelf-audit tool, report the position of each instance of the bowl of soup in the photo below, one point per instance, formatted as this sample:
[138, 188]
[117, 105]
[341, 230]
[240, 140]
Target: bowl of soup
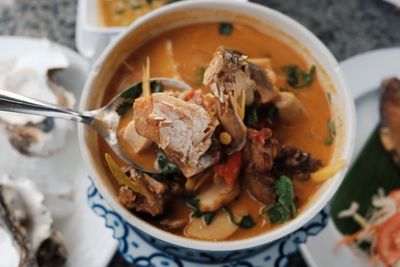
[251, 152]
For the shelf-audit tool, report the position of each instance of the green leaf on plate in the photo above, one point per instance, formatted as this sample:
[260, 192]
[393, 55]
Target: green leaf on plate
[372, 169]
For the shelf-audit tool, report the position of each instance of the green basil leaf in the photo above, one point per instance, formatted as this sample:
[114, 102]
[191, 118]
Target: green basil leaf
[156, 87]
[207, 217]
[193, 203]
[133, 92]
[246, 222]
[298, 78]
[124, 107]
[165, 166]
[225, 28]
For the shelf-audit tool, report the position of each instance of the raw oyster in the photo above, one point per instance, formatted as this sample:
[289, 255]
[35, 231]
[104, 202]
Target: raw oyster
[29, 75]
[27, 237]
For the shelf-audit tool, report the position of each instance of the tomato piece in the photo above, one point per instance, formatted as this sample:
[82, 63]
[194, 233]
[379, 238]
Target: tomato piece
[261, 135]
[388, 240]
[230, 169]
[395, 194]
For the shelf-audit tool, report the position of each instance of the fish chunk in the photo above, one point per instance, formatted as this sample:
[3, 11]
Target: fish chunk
[182, 130]
[228, 76]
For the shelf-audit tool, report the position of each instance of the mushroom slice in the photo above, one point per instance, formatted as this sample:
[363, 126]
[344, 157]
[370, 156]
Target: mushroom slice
[289, 106]
[220, 228]
[216, 196]
[390, 116]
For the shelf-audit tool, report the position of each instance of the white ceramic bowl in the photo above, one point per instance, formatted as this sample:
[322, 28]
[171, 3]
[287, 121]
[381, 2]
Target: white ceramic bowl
[265, 20]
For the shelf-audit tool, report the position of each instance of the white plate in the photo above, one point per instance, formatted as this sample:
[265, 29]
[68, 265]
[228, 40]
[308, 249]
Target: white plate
[89, 243]
[364, 74]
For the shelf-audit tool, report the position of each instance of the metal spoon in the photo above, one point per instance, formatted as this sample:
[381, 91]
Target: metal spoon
[104, 121]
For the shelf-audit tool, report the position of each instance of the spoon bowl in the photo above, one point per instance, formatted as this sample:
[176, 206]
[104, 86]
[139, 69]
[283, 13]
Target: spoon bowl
[104, 120]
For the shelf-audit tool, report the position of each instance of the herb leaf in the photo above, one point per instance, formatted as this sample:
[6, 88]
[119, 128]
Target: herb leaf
[123, 108]
[256, 113]
[165, 166]
[207, 217]
[332, 133]
[298, 78]
[251, 116]
[285, 208]
[130, 95]
[133, 92]
[246, 222]
[225, 28]
[193, 203]
[156, 87]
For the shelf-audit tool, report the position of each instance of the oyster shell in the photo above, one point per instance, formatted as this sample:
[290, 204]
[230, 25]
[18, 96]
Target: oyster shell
[26, 225]
[29, 75]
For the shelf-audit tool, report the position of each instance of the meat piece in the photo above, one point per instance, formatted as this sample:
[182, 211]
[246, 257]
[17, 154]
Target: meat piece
[261, 150]
[261, 187]
[289, 106]
[182, 130]
[228, 76]
[158, 193]
[295, 163]
[390, 115]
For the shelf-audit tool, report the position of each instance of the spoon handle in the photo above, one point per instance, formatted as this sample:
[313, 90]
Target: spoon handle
[12, 102]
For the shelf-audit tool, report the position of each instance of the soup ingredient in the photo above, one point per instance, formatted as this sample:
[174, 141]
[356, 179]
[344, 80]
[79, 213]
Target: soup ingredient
[390, 114]
[245, 222]
[332, 133]
[230, 169]
[165, 166]
[225, 28]
[29, 224]
[132, 184]
[261, 187]
[181, 129]
[285, 208]
[137, 142]
[328, 171]
[225, 138]
[220, 227]
[30, 75]
[295, 163]
[261, 149]
[265, 84]
[229, 78]
[379, 228]
[216, 196]
[298, 78]
[289, 106]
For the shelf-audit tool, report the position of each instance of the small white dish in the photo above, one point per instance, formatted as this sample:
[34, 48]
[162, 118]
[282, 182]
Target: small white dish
[89, 243]
[91, 37]
[364, 74]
